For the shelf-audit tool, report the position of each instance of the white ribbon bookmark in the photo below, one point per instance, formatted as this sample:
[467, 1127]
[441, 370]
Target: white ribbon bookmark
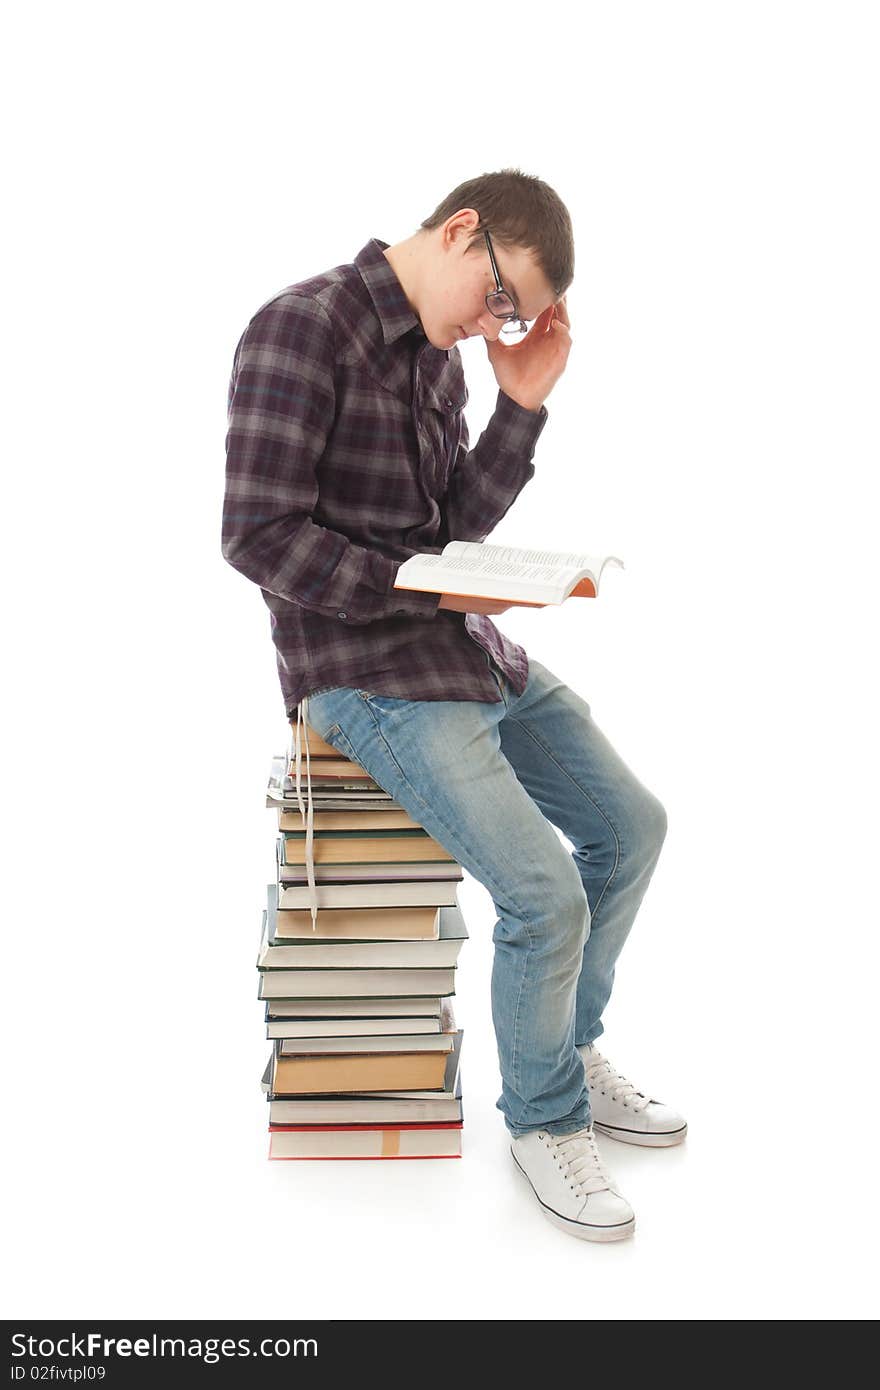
[302, 719]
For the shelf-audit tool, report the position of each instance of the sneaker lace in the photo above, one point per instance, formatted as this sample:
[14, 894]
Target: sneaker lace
[601, 1073]
[581, 1161]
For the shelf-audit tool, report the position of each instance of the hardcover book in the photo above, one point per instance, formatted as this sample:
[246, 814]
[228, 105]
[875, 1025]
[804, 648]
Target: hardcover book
[351, 1072]
[351, 924]
[386, 1107]
[316, 952]
[366, 1141]
[417, 893]
[416, 1006]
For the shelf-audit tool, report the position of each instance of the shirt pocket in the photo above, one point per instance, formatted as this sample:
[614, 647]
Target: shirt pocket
[442, 410]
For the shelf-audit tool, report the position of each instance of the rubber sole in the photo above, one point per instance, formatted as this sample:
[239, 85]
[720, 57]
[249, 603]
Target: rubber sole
[580, 1229]
[633, 1136]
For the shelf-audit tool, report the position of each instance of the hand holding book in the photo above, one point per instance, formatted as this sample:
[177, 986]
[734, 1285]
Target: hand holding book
[470, 603]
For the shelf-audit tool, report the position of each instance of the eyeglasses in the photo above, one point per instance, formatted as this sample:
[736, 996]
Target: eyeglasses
[500, 303]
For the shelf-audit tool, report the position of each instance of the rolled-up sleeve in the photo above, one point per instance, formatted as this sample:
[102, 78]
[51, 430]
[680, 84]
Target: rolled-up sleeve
[281, 409]
[486, 480]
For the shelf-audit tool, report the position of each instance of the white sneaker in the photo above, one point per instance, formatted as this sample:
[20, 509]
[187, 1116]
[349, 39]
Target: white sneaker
[574, 1189]
[621, 1111]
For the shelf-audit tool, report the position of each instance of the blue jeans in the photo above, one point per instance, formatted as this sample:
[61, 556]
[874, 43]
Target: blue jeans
[489, 781]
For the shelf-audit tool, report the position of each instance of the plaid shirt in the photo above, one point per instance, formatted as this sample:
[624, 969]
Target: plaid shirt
[347, 452]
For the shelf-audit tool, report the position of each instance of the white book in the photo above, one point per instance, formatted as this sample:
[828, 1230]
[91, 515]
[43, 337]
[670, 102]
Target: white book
[357, 984]
[429, 893]
[336, 1008]
[505, 572]
[350, 1028]
[398, 1042]
[281, 791]
[383, 1142]
[382, 1107]
[375, 871]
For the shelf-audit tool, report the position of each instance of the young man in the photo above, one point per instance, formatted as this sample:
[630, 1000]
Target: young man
[347, 452]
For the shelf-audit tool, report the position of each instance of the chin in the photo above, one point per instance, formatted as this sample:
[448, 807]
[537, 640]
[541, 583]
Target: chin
[446, 339]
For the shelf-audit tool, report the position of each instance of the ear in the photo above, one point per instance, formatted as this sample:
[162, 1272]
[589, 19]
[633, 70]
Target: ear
[460, 226]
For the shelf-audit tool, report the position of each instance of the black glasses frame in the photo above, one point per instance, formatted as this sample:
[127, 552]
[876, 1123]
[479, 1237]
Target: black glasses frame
[514, 318]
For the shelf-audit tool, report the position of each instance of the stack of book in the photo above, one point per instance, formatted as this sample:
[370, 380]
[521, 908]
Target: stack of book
[365, 1051]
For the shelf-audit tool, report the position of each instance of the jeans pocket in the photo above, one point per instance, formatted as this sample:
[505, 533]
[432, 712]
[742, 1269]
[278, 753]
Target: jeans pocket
[324, 712]
[385, 704]
[342, 745]
[501, 682]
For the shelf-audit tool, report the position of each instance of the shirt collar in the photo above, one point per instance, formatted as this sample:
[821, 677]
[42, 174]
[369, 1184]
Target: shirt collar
[392, 306]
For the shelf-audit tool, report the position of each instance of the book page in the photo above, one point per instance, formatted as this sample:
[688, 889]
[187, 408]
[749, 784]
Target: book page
[485, 563]
[510, 573]
[512, 554]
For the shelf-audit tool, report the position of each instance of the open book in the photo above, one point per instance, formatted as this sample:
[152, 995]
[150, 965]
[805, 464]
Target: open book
[529, 577]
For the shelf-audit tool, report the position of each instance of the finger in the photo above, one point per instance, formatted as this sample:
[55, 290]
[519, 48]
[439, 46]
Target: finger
[544, 322]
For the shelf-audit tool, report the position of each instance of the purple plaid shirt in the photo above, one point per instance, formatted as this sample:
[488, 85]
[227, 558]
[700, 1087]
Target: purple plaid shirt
[347, 452]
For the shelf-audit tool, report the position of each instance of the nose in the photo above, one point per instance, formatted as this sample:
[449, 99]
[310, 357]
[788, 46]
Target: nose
[490, 327]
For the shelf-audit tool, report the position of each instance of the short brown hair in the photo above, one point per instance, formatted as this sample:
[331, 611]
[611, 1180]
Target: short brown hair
[521, 210]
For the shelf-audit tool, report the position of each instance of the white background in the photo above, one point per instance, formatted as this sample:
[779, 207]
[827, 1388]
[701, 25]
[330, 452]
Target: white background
[171, 168]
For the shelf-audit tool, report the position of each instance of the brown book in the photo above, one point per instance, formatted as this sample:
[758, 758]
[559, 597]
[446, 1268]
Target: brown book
[348, 847]
[349, 820]
[316, 745]
[359, 924]
[397, 1071]
[328, 767]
